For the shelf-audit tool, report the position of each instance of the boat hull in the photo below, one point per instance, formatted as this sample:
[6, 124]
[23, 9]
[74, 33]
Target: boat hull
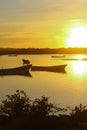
[58, 68]
[22, 70]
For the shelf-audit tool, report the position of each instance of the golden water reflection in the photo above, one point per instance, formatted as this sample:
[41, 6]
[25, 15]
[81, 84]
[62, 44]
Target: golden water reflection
[80, 56]
[79, 67]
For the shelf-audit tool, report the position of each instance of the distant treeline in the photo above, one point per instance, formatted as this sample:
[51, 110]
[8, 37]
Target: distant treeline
[19, 51]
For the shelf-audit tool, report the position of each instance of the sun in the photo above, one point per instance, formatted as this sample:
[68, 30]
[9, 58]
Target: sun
[77, 37]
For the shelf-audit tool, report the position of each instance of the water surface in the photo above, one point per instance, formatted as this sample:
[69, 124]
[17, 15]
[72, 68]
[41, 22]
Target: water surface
[67, 89]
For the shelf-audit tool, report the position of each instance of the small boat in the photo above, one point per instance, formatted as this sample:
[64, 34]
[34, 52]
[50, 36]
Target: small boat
[22, 70]
[57, 68]
[12, 55]
[58, 56]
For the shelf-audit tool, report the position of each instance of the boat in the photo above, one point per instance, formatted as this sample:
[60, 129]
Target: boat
[57, 68]
[22, 70]
[58, 56]
[12, 54]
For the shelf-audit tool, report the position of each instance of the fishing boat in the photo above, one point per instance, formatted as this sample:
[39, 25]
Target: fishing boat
[57, 68]
[22, 70]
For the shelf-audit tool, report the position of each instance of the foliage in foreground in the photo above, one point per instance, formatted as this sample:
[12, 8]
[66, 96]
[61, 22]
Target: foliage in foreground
[20, 112]
[18, 103]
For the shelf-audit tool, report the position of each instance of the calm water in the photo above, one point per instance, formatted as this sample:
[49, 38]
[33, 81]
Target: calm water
[66, 89]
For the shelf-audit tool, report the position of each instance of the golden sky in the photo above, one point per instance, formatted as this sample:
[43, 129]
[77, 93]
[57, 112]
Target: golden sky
[39, 23]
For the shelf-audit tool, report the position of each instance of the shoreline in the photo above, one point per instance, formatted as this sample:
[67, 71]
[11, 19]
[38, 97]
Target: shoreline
[36, 51]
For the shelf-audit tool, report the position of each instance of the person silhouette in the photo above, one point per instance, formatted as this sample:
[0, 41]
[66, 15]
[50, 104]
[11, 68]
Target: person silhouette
[25, 61]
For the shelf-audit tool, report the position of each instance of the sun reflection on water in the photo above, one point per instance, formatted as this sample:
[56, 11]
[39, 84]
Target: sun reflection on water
[80, 56]
[79, 67]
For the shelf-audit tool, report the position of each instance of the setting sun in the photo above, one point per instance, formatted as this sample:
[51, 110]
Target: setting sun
[77, 37]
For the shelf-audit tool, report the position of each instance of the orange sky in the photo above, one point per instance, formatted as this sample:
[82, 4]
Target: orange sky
[39, 23]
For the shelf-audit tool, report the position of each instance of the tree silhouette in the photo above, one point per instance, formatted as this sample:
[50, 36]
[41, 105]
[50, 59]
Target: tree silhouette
[42, 107]
[39, 114]
[79, 114]
[15, 104]
[18, 103]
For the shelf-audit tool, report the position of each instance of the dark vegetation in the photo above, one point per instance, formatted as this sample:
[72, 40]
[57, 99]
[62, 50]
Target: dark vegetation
[18, 112]
[9, 51]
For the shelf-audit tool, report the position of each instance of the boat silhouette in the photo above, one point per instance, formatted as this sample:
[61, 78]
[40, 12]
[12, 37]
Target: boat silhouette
[22, 71]
[58, 56]
[57, 68]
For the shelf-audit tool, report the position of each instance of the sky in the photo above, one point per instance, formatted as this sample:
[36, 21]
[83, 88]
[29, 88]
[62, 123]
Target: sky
[39, 23]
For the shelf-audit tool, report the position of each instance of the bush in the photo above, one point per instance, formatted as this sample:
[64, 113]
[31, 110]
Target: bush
[19, 103]
[16, 104]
